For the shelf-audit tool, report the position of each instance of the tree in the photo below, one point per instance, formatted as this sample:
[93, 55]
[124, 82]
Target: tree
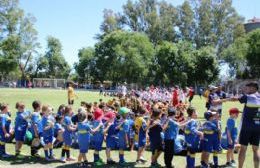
[206, 65]
[253, 53]
[57, 65]
[85, 68]
[123, 57]
[18, 38]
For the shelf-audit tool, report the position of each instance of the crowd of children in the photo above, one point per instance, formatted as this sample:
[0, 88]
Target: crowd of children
[126, 123]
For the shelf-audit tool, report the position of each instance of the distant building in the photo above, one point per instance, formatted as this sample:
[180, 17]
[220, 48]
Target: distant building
[252, 24]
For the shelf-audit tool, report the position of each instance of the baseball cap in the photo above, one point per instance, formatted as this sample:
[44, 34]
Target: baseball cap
[124, 110]
[98, 114]
[233, 111]
[209, 114]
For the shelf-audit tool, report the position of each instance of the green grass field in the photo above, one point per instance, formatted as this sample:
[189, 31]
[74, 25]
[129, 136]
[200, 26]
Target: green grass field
[57, 97]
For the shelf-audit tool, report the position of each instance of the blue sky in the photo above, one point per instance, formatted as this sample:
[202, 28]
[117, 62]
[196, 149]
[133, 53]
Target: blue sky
[75, 23]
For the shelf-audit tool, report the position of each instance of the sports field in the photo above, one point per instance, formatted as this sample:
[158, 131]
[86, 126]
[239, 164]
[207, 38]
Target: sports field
[57, 97]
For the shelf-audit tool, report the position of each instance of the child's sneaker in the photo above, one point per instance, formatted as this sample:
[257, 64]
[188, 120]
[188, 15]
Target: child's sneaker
[6, 156]
[70, 159]
[52, 158]
[63, 160]
[111, 162]
[233, 163]
[123, 163]
[140, 161]
[47, 159]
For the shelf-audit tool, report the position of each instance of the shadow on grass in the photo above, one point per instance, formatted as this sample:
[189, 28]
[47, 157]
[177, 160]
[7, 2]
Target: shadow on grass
[91, 164]
[19, 160]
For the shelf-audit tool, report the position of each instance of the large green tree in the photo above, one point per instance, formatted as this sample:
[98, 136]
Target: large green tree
[57, 65]
[123, 56]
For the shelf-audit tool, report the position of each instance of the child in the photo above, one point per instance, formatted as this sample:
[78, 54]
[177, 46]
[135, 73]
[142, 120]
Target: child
[112, 135]
[36, 128]
[4, 129]
[231, 131]
[20, 128]
[58, 131]
[141, 129]
[155, 130]
[61, 110]
[98, 136]
[48, 132]
[122, 135]
[209, 128]
[67, 134]
[84, 137]
[192, 136]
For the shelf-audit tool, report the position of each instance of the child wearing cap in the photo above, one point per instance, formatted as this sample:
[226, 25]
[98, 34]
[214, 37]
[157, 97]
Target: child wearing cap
[111, 135]
[98, 136]
[155, 131]
[209, 128]
[58, 131]
[21, 124]
[231, 131]
[192, 137]
[123, 134]
[48, 132]
[69, 128]
[5, 122]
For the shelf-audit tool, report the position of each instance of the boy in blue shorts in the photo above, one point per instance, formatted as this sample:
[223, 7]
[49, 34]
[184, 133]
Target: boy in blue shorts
[5, 122]
[35, 128]
[192, 137]
[122, 135]
[20, 128]
[209, 129]
[48, 132]
[141, 129]
[231, 131]
[112, 135]
[98, 137]
[155, 131]
[69, 128]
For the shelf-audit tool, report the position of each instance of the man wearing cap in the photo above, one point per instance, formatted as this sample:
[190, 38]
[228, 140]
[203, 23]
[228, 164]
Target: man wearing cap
[250, 127]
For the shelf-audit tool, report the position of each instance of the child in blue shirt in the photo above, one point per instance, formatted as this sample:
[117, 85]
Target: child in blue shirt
[36, 128]
[98, 136]
[231, 131]
[84, 131]
[48, 132]
[58, 131]
[156, 142]
[192, 137]
[4, 129]
[21, 125]
[123, 134]
[171, 131]
[69, 128]
[209, 129]
[112, 134]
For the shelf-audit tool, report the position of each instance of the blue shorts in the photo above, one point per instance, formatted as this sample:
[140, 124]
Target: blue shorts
[112, 142]
[3, 139]
[67, 138]
[48, 140]
[83, 148]
[141, 142]
[97, 144]
[20, 135]
[207, 145]
[122, 144]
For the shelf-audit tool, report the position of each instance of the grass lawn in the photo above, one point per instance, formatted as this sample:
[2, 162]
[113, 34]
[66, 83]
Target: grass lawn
[57, 97]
